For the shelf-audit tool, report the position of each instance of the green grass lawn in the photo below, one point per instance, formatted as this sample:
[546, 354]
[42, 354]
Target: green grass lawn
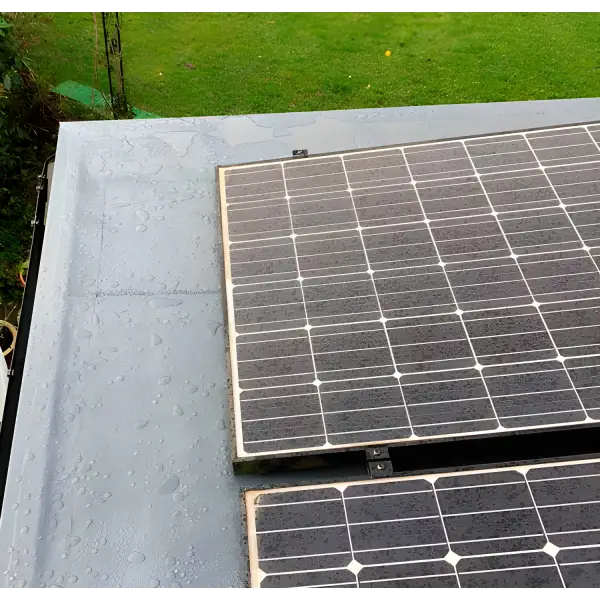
[207, 64]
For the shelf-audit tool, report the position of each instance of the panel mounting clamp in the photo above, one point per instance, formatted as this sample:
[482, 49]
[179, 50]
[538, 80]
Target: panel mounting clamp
[379, 463]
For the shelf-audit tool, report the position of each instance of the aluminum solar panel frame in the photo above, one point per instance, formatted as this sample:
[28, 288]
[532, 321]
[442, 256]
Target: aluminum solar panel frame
[411, 293]
[520, 526]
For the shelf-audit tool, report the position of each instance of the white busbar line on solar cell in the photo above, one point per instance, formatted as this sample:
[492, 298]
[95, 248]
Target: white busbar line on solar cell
[529, 173]
[592, 166]
[347, 523]
[277, 558]
[563, 160]
[381, 564]
[440, 360]
[318, 501]
[537, 510]
[414, 404]
[527, 568]
[567, 274]
[295, 437]
[324, 585]
[572, 204]
[348, 584]
[428, 424]
[561, 532]
[497, 335]
[428, 403]
[465, 541]
[385, 494]
[277, 218]
[436, 576]
[589, 387]
[571, 183]
[305, 310]
[533, 393]
[511, 316]
[576, 309]
[386, 407]
[370, 272]
[511, 352]
[568, 504]
[525, 189]
[336, 525]
[537, 231]
[581, 562]
[352, 410]
[539, 414]
[441, 518]
[430, 372]
[563, 206]
[531, 204]
[354, 431]
[285, 240]
[535, 303]
[434, 560]
[578, 345]
[470, 556]
[318, 570]
[377, 429]
[481, 485]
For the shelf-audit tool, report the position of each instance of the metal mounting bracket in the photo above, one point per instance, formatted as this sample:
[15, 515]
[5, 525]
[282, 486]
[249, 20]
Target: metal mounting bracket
[379, 463]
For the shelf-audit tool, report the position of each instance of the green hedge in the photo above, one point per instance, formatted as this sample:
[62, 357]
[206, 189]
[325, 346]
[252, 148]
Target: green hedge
[29, 118]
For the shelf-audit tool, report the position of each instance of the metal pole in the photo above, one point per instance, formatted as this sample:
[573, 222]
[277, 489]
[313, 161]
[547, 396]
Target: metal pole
[108, 68]
[122, 96]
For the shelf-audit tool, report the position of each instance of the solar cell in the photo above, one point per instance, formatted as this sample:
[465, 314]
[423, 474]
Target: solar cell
[415, 292]
[524, 526]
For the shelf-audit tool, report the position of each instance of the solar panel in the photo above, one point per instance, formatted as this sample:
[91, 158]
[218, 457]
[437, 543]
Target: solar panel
[415, 292]
[513, 527]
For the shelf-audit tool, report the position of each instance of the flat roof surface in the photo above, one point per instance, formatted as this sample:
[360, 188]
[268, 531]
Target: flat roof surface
[120, 472]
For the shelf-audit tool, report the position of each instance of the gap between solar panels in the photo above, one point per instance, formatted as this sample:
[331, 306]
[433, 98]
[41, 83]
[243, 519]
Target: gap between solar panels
[421, 293]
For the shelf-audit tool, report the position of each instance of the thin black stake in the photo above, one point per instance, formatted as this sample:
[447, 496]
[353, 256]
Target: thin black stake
[108, 69]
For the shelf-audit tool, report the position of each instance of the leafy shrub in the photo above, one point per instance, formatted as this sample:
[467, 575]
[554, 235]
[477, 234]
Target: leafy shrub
[29, 118]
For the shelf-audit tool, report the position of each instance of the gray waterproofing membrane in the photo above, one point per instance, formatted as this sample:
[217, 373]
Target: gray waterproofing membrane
[120, 471]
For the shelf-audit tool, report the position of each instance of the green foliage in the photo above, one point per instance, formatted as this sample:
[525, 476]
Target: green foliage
[28, 130]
